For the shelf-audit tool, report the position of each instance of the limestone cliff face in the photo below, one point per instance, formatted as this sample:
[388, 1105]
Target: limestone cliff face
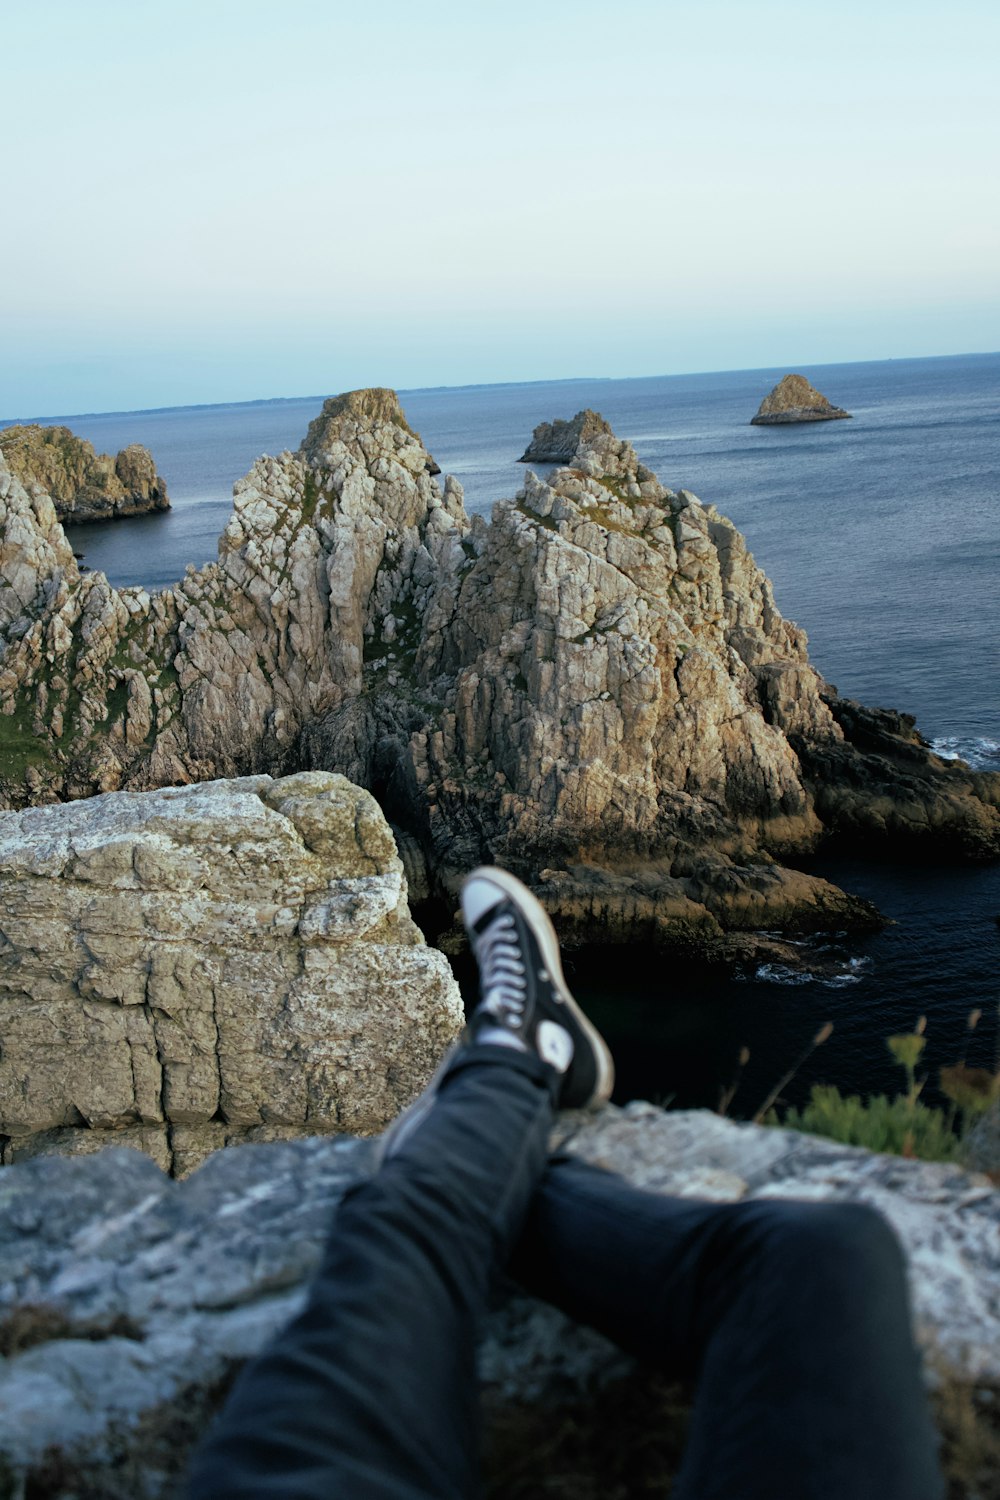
[82, 484]
[618, 689]
[326, 552]
[595, 688]
[628, 719]
[795, 400]
[191, 967]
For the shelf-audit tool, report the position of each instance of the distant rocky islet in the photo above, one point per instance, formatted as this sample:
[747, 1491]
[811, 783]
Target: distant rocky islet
[83, 485]
[793, 399]
[557, 442]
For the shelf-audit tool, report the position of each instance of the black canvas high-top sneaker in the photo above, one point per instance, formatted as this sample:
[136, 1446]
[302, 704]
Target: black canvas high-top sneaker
[525, 1000]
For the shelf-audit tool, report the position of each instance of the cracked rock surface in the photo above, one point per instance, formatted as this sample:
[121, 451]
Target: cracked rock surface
[129, 1298]
[186, 968]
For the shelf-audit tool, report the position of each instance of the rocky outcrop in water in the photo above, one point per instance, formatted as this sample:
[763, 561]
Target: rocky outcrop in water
[556, 442]
[795, 400]
[187, 968]
[82, 484]
[128, 1299]
[596, 688]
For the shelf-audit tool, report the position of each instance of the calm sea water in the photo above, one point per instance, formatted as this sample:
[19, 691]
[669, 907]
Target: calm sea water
[882, 538]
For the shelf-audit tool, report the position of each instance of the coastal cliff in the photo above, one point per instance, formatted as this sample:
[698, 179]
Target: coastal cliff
[795, 400]
[82, 484]
[595, 688]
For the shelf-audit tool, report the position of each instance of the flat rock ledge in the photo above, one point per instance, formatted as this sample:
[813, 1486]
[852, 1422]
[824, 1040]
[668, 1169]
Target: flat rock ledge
[129, 1298]
[795, 400]
[191, 967]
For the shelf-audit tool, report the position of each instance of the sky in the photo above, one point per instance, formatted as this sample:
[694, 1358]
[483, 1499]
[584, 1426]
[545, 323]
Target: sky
[230, 200]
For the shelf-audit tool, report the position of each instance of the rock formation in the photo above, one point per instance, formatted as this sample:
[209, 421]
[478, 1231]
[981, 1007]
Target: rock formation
[187, 968]
[556, 442]
[84, 485]
[597, 688]
[795, 400]
[128, 1299]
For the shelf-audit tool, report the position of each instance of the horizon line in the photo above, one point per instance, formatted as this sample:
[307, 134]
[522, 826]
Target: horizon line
[486, 385]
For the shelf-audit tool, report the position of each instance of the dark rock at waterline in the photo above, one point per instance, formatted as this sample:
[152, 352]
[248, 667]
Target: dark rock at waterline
[884, 781]
[795, 400]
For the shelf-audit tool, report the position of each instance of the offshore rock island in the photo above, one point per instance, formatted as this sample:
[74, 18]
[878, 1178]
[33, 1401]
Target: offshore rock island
[557, 442]
[82, 484]
[795, 400]
[595, 688]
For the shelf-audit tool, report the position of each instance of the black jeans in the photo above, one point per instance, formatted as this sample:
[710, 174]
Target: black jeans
[792, 1319]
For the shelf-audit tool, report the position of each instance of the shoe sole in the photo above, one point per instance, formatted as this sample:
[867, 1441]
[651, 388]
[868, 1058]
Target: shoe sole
[540, 923]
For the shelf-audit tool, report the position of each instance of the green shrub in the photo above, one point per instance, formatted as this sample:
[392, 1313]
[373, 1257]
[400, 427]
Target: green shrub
[899, 1126]
[902, 1125]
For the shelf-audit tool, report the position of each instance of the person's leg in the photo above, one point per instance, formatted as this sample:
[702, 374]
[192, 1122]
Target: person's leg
[372, 1391]
[792, 1320]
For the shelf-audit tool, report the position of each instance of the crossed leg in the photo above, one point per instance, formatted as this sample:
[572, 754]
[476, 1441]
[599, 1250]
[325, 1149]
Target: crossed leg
[371, 1393]
[790, 1319]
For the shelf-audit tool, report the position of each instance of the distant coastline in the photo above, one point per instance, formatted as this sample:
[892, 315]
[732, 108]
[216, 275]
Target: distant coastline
[489, 385]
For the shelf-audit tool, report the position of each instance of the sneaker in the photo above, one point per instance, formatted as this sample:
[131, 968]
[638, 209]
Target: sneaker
[525, 1000]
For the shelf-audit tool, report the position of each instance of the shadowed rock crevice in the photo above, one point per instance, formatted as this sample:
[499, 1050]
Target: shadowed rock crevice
[596, 688]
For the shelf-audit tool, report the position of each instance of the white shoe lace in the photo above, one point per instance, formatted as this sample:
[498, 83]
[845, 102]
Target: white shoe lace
[502, 972]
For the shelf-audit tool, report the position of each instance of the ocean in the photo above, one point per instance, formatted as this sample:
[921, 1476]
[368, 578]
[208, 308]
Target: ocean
[881, 536]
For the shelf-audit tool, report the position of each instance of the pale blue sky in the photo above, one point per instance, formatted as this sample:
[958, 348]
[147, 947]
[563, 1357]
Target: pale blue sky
[232, 199]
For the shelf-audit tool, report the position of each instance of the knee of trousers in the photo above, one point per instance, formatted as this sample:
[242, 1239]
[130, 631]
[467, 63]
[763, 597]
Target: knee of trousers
[832, 1239]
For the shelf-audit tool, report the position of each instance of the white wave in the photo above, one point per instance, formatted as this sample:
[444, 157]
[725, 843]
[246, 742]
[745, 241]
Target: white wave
[852, 972]
[782, 974]
[981, 754]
